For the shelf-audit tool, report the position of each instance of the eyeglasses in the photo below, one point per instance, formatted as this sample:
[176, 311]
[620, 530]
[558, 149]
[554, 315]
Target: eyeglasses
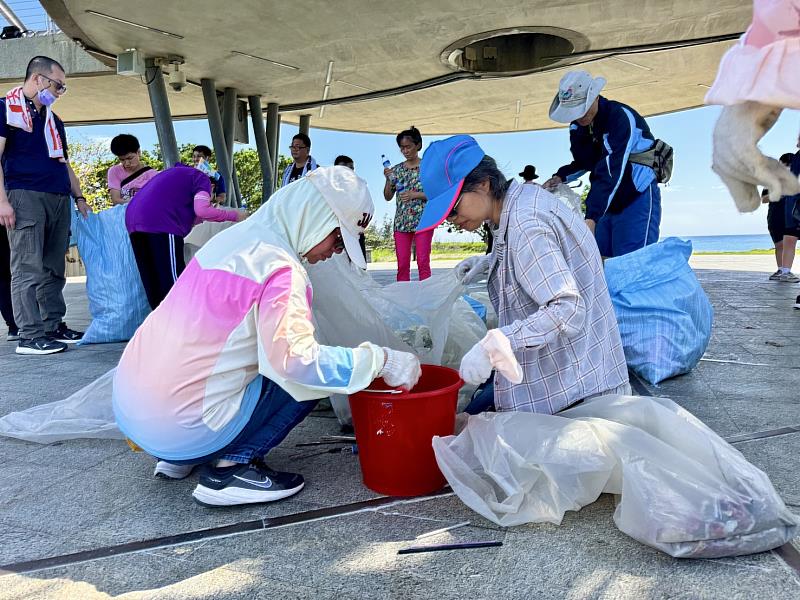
[297, 147]
[454, 211]
[60, 87]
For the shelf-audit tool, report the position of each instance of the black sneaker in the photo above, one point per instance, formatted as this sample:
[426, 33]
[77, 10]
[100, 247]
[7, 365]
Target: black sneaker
[65, 335]
[41, 345]
[13, 334]
[797, 302]
[245, 484]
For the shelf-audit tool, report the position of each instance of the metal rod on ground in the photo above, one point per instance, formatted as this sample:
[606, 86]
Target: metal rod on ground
[215, 127]
[228, 125]
[161, 113]
[437, 548]
[262, 147]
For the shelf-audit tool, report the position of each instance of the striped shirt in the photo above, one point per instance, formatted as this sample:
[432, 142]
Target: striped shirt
[547, 285]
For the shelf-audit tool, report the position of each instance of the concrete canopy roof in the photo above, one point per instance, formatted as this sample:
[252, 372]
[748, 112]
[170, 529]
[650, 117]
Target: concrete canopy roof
[372, 48]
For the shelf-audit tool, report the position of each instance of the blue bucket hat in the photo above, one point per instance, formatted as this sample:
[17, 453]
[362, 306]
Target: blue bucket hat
[444, 166]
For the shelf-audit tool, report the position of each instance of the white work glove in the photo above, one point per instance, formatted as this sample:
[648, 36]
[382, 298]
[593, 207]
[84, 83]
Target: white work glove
[473, 269]
[492, 352]
[401, 369]
[475, 366]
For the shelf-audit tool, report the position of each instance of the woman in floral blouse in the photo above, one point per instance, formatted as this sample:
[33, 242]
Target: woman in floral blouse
[410, 202]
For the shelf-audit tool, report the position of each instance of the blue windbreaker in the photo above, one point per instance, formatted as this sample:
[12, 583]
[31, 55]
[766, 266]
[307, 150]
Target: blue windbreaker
[603, 149]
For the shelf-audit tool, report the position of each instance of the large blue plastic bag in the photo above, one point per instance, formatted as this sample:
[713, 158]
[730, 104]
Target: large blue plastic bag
[664, 315]
[117, 300]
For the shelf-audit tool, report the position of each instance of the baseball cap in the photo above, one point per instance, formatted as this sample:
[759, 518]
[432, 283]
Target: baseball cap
[444, 166]
[576, 92]
[349, 199]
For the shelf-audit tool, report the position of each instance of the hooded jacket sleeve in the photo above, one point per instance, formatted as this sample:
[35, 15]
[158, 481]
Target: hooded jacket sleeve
[608, 173]
[287, 349]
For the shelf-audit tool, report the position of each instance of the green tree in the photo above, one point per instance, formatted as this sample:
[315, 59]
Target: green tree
[91, 162]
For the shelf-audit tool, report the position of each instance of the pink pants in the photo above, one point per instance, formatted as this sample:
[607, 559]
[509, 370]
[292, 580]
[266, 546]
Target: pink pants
[402, 245]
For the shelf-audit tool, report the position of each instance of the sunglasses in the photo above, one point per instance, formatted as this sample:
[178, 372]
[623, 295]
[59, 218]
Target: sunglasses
[60, 87]
[297, 147]
[454, 211]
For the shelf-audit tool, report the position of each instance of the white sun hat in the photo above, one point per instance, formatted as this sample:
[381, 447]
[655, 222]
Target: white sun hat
[576, 92]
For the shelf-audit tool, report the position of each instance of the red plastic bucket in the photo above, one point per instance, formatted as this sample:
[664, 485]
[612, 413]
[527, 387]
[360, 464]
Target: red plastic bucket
[394, 432]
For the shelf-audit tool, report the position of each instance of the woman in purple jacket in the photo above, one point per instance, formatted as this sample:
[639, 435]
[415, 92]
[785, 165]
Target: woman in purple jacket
[160, 216]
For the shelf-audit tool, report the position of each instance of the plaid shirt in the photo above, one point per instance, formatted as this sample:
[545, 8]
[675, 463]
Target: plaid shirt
[547, 285]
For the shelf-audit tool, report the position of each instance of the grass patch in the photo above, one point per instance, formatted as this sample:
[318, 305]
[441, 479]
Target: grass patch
[461, 250]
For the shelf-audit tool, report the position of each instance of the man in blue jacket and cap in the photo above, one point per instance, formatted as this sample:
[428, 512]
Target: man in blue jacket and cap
[623, 207]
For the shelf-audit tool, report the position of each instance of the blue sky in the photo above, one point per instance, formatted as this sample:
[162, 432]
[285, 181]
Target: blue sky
[694, 203]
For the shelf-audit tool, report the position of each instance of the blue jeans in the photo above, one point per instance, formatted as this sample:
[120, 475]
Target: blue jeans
[635, 227]
[483, 398]
[274, 416]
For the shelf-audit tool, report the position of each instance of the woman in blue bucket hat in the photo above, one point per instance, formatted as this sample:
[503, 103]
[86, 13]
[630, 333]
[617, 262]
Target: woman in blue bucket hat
[557, 342]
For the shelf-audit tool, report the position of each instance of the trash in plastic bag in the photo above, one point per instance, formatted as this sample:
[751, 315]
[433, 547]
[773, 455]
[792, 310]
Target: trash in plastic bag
[427, 317]
[664, 316]
[684, 490]
[117, 301]
[566, 194]
[85, 414]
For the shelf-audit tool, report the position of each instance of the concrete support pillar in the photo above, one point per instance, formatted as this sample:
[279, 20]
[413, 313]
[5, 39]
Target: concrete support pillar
[161, 113]
[217, 133]
[273, 127]
[228, 127]
[264, 156]
[305, 123]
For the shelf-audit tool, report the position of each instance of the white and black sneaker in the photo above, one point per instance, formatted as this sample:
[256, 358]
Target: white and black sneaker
[245, 484]
[40, 345]
[13, 334]
[65, 335]
[168, 470]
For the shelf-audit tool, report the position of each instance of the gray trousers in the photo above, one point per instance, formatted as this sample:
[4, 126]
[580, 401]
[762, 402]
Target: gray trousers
[38, 243]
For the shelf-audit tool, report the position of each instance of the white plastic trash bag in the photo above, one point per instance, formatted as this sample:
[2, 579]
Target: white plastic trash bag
[85, 414]
[117, 300]
[350, 307]
[428, 318]
[683, 489]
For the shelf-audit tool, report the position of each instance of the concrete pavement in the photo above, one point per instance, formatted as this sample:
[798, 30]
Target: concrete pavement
[85, 519]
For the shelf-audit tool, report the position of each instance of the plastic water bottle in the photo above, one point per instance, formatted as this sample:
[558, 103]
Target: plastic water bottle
[206, 168]
[398, 185]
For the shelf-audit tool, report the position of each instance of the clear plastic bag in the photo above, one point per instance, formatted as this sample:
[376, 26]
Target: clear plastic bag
[565, 193]
[683, 489]
[85, 414]
[428, 318]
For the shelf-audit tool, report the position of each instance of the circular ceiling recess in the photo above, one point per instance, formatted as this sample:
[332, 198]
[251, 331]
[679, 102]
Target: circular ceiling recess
[514, 51]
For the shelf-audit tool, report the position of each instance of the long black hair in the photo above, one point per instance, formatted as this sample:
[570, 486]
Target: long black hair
[412, 133]
[487, 171]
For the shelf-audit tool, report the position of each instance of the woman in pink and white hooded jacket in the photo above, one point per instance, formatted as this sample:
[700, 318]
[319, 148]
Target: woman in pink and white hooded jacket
[228, 363]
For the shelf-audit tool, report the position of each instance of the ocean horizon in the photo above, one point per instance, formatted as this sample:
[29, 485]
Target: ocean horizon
[728, 243]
